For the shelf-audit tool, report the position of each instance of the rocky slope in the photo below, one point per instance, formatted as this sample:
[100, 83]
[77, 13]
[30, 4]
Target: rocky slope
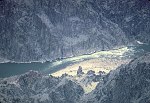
[39, 30]
[131, 16]
[127, 84]
[33, 87]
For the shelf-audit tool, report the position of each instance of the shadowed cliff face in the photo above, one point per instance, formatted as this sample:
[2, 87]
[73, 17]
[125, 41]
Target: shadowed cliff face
[131, 16]
[37, 30]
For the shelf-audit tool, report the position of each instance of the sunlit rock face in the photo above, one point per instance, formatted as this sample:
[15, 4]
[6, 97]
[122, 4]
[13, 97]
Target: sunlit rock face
[127, 84]
[38, 30]
[33, 87]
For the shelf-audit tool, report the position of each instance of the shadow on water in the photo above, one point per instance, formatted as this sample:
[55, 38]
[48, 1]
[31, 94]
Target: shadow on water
[141, 49]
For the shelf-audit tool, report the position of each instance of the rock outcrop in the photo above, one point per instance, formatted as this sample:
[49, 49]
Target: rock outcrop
[79, 71]
[34, 87]
[127, 84]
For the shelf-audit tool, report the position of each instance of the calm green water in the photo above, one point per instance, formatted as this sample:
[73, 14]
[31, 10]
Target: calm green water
[11, 69]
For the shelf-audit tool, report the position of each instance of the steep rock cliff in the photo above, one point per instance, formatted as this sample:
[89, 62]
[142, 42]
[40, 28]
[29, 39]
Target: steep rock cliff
[46, 30]
[39, 30]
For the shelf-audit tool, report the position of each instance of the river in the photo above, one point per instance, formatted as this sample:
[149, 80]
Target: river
[11, 69]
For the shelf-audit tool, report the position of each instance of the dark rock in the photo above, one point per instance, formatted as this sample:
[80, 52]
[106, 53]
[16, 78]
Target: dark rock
[91, 73]
[79, 71]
